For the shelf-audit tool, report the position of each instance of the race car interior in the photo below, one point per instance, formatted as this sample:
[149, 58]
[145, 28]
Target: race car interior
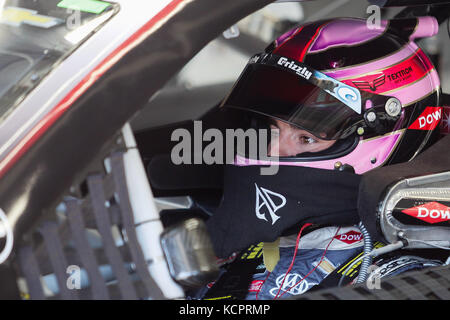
[145, 225]
[186, 191]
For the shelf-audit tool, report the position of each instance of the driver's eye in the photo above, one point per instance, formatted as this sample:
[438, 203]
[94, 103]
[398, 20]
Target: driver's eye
[307, 140]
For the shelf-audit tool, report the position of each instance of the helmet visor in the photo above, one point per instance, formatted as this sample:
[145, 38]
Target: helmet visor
[288, 90]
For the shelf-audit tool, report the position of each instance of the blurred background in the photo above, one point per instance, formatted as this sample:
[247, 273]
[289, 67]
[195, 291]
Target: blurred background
[208, 77]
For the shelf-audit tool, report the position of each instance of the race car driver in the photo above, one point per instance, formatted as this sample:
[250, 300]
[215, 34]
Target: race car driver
[344, 97]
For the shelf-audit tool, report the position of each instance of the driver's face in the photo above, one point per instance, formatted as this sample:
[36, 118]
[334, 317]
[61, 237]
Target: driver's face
[292, 141]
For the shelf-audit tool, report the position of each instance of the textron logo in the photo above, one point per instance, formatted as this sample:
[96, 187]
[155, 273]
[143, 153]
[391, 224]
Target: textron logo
[293, 66]
[431, 212]
[371, 85]
[402, 74]
[266, 204]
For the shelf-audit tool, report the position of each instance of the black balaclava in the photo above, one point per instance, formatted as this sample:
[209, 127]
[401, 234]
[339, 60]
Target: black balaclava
[259, 208]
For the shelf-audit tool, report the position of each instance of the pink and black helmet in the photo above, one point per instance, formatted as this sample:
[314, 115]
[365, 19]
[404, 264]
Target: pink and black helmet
[371, 89]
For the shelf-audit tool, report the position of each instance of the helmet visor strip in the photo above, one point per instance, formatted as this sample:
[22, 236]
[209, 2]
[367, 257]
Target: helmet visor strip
[291, 91]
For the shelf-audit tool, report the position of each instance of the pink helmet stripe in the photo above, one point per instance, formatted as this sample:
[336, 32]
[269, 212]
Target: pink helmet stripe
[404, 73]
[418, 89]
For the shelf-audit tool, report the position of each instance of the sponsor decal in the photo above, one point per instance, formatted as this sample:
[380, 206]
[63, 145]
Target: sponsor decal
[268, 202]
[342, 91]
[393, 77]
[16, 16]
[428, 120]
[293, 282]
[347, 94]
[350, 237]
[301, 71]
[431, 212]
[371, 85]
[255, 285]
[401, 75]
